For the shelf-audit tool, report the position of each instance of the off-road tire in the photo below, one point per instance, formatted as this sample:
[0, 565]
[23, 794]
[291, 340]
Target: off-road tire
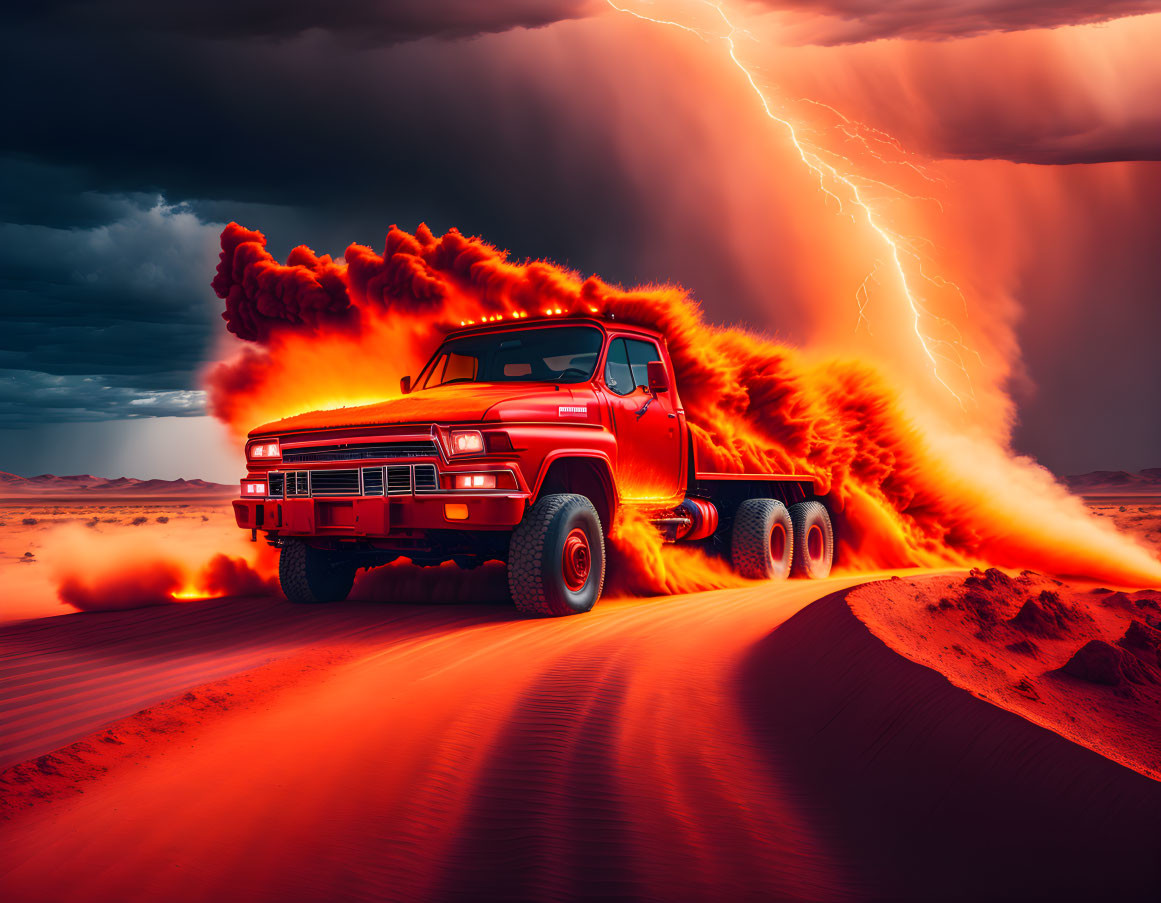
[536, 571]
[311, 575]
[753, 540]
[813, 540]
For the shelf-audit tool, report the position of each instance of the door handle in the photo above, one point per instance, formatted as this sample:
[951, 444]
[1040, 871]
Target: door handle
[672, 416]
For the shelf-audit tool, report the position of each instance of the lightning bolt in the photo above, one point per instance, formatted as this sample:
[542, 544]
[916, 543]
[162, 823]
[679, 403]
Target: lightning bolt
[853, 187]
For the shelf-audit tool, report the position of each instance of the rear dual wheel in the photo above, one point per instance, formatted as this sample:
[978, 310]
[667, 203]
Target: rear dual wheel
[813, 540]
[769, 542]
[762, 540]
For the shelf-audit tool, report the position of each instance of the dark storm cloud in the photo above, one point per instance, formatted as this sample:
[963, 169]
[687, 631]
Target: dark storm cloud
[312, 137]
[28, 396]
[448, 133]
[111, 319]
[380, 21]
[38, 194]
[857, 21]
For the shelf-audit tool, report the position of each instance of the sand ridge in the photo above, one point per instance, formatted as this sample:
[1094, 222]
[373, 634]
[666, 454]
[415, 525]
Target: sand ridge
[1078, 659]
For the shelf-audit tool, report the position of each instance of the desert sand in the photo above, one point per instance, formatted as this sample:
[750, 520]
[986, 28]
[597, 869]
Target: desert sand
[42, 540]
[804, 740]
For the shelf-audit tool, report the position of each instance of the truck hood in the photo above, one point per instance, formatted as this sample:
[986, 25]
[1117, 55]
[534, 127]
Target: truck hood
[468, 403]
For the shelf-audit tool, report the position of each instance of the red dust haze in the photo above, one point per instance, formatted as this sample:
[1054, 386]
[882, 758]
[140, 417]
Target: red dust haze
[127, 583]
[121, 569]
[324, 333]
[124, 585]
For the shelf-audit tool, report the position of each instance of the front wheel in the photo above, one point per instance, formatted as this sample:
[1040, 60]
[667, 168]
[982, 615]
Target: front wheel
[556, 559]
[307, 574]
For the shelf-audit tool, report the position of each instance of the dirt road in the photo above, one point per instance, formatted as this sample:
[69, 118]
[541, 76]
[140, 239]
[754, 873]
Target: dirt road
[395, 752]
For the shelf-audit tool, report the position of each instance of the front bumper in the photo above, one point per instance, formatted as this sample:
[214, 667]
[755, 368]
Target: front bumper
[382, 517]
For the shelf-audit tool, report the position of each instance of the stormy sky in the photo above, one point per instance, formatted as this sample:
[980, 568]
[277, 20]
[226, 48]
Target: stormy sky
[561, 130]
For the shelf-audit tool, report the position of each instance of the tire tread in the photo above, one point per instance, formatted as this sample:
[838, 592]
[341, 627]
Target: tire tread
[801, 515]
[297, 581]
[526, 554]
[750, 537]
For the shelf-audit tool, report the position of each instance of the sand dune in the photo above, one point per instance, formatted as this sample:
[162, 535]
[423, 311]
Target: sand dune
[930, 793]
[1116, 482]
[737, 744]
[1083, 661]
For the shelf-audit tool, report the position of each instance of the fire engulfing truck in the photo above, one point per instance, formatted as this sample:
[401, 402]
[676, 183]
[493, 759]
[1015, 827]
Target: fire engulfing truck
[519, 442]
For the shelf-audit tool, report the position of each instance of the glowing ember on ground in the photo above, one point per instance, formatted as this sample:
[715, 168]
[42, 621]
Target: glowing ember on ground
[185, 595]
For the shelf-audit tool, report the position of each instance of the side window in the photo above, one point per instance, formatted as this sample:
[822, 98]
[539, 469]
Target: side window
[449, 368]
[618, 376]
[640, 354]
[460, 367]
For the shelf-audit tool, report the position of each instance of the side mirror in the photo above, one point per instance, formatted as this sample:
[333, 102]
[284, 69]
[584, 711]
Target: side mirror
[405, 385]
[658, 377]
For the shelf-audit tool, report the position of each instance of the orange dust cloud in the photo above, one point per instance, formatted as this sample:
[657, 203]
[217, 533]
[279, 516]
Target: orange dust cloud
[97, 571]
[910, 495]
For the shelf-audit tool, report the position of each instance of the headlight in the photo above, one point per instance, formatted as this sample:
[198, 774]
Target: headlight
[251, 487]
[467, 442]
[264, 449]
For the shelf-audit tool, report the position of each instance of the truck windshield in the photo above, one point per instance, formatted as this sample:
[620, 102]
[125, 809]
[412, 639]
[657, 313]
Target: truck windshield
[563, 354]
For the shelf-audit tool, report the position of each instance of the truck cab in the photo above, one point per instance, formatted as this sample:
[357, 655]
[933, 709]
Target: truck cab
[519, 441]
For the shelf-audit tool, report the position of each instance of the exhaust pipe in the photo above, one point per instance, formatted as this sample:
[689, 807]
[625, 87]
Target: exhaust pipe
[703, 517]
[693, 519]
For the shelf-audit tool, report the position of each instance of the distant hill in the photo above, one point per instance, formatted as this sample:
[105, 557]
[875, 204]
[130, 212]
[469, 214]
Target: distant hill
[1117, 482]
[48, 485]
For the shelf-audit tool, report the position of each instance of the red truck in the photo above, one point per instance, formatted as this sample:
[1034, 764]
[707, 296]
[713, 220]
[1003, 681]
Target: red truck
[519, 441]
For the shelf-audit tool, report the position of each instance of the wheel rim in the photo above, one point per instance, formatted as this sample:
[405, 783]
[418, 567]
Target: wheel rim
[814, 543]
[778, 543]
[576, 559]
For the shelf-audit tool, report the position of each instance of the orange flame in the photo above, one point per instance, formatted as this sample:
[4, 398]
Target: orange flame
[645, 565]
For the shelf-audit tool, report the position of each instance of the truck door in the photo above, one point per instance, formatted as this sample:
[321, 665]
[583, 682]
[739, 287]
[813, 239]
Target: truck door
[648, 439]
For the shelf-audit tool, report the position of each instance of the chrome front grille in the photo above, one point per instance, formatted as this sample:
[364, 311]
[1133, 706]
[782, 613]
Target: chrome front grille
[409, 448]
[297, 484]
[392, 479]
[425, 479]
[372, 481]
[333, 482]
[398, 479]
